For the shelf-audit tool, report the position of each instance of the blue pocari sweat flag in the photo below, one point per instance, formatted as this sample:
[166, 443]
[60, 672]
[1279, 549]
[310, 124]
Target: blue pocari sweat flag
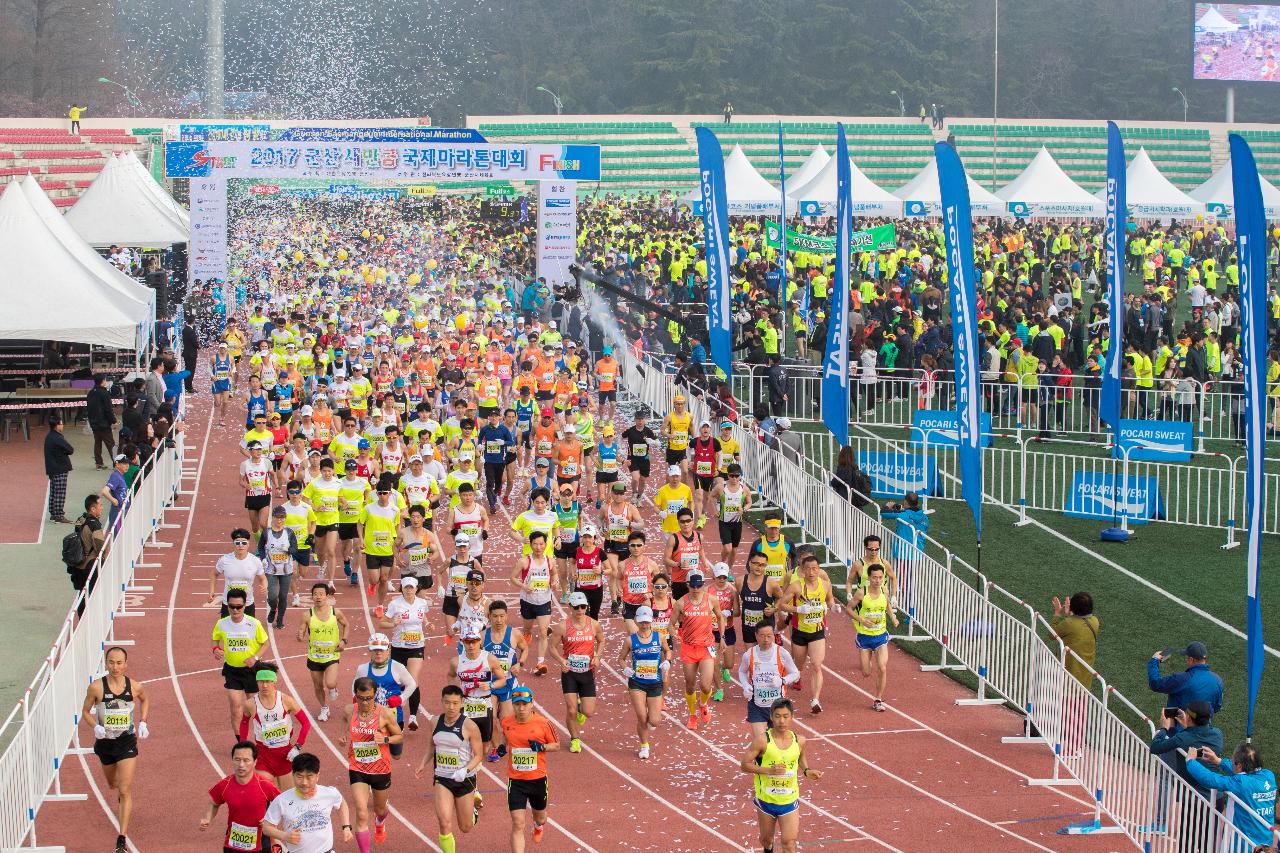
[1117, 212]
[782, 250]
[715, 227]
[1251, 248]
[957, 226]
[835, 364]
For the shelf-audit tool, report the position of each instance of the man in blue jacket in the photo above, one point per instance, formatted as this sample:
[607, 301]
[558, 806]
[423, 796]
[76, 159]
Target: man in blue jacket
[1244, 776]
[1197, 681]
[1191, 729]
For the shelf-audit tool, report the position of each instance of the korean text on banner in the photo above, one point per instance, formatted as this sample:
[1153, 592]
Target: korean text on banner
[875, 239]
[1109, 403]
[557, 230]
[1251, 249]
[207, 251]
[715, 221]
[957, 223]
[835, 363]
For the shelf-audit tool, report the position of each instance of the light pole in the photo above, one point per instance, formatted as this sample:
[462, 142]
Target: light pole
[995, 94]
[902, 105]
[1182, 95]
[214, 65]
[131, 98]
[554, 98]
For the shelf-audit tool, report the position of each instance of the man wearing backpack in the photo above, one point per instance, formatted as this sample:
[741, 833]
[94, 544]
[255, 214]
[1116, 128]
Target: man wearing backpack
[80, 547]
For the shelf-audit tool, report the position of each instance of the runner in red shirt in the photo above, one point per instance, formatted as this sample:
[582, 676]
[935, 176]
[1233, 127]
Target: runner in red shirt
[246, 794]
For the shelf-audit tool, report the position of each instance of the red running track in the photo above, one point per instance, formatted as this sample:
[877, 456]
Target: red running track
[926, 775]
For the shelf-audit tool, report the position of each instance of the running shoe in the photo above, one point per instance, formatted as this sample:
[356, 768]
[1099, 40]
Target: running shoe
[413, 722]
[575, 745]
[582, 718]
[540, 669]
[333, 693]
[346, 568]
[324, 713]
[492, 756]
[501, 750]
[598, 504]
[702, 521]
[379, 833]
[724, 674]
[705, 713]
[355, 578]
[477, 803]
[379, 610]
[815, 707]
[879, 705]
[799, 686]
[644, 751]
[369, 590]
[616, 607]
[718, 696]
[333, 590]
[693, 722]
[122, 844]
[537, 833]
[506, 500]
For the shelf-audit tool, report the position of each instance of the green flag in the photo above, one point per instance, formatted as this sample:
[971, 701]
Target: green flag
[872, 240]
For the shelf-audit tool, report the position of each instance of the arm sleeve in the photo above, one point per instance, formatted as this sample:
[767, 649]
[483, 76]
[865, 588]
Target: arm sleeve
[744, 674]
[401, 673]
[243, 731]
[1225, 781]
[790, 672]
[304, 725]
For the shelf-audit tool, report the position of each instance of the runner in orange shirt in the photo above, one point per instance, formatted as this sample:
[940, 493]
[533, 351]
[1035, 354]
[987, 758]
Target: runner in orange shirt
[529, 738]
[369, 731]
[607, 379]
[544, 436]
[569, 460]
[699, 619]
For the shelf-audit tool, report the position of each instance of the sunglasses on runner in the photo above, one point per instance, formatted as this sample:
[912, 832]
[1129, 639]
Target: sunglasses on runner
[368, 698]
[661, 586]
[240, 542]
[873, 550]
[579, 607]
[235, 607]
[636, 545]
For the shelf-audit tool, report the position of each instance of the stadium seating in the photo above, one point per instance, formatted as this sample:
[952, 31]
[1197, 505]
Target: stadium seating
[70, 162]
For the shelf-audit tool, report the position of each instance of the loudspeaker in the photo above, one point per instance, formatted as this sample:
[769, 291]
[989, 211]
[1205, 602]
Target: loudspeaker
[159, 282]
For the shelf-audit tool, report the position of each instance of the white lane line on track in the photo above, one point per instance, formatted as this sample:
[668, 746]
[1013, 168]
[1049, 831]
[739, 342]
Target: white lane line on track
[218, 668]
[814, 733]
[97, 794]
[874, 732]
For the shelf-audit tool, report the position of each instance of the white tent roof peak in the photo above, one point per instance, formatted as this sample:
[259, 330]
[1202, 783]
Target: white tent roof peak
[1044, 189]
[118, 209]
[869, 198]
[746, 190]
[1150, 195]
[922, 196]
[1213, 22]
[811, 166]
[1218, 195]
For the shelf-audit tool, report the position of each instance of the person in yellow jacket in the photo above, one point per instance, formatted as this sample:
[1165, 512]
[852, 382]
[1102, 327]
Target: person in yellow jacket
[74, 114]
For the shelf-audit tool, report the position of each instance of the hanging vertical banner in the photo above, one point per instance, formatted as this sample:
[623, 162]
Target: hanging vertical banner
[1251, 249]
[957, 226]
[782, 255]
[715, 229]
[835, 364]
[557, 230]
[1109, 403]
[207, 251]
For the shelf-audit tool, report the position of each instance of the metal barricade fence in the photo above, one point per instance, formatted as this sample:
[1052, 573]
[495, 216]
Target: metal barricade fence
[1012, 661]
[44, 725]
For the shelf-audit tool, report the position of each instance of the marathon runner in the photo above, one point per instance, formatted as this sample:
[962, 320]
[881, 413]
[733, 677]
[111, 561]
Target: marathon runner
[576, 644]
[529, 738]
[683, 552]
[325, 633]
[278, 553]
[391, 680]
[620, 519]
[272, 714]
[706, 459]
[406, 617]
[240, 570]
[698, 619]
[370, 730]
[764, 673]
[510, 647]
[808, 598]
[246, 793]
[870, 607]
[477, 672]
[645, 659]
[454, 751]
[727, 600]
[776, 760]
[118, 705]
[637, 439]
[301, 818]
[733, 502]
[536, 579]
[237, 639]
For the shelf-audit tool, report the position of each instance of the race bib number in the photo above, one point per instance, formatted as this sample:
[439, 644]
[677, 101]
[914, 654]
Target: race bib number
[640, 450]
[570, 469]
[752, 618]
[609, 465]
[637, 585]
[237, 644]
[382, 539]
[476, 707]
[579, 663]
[241, 837]
[524, 760]
[690, 561]
[276, 735]
[329, 503]
[447, 759]
[279, 557]
[646, 670]
[705, 469]
[766, 695]
[493, 447]
[540, 584]
[117, 719]
[366, 752]
[674, 506]
[411, 638]
[544, 448]
[781, 786]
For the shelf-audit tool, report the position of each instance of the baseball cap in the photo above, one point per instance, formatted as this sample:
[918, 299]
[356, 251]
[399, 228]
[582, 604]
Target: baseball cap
[379, 641]
[305, 411]
[783, 423]
[673, 471]
[222, 345]
[619, 486]
[726, 425]
[773, 522]
[471, 630]
[475, 575]
[521, 694]
[1200, 711]
[120, 457]
[606, 349]
[350, 465]
[461, 539]
[543, 462]
[696, 580]
[679, 398]
[589, 530]
[608, 429]
[721, 570]
[643, 614]
[546, 411]
[578, 599]
[279, 512]
[270, 675]
[415, 458]
[1196, 650]
[408, 580]
[253, 445]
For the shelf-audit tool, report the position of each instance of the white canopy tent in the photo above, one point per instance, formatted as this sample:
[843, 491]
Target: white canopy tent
[1043, 189]
[157, 191]
[117, 209]
[746, 190]
[818, 196]
[1213, 22]
[1149, 195]
[50, 294]
[1218, 195]
[811, 166]
[922, 196]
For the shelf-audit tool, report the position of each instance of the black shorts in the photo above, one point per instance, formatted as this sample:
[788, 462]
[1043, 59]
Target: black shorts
[639, 466]
[679, 589]
[561, 482]
[240, 678]
[804, 638]
[533, 611]
[629, 610]
[544, 396]
[651, 691]
[617, 549]
[485, 725]
[376, 781]
[277, 464]
[257, 502]
[731, 533]
[458, 789]
[526, 438]
[607, 396]
[249, 610]
[346, 531]
[582, 683]
[320, 666]
[303, 557]
[706, 484]
[510, 458]
[325, 529]
[449, 605]
[111, 750]
[730, 636]
[604, 478]
[675, 457]
[527, 793]
[485, 411]
[376, 561]
[403, 656]
[567, 552]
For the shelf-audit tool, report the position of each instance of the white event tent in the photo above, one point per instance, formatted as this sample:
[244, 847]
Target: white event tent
[921, 196]
[1150, 195]
[118, 209]
[818, 196]
[51, 292]
[1213, 22]
[1218, 195]
[746, 190]
[157, 191]
[811, 166]
[1043, 189]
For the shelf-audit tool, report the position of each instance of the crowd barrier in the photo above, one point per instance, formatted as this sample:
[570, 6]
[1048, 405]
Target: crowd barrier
[43, 730]
[1009, 647]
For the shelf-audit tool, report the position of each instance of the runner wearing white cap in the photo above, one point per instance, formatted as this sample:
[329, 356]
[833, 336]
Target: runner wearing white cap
[576, 645]
[645, 662]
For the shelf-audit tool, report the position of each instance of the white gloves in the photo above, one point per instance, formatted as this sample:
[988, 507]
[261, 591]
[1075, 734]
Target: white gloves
[293, 751]
[460, 774]
[143, 731]
[628, 672]
[100, 732]
[666, 665]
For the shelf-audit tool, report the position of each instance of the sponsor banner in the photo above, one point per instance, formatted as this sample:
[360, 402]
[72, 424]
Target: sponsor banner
[941, 424]
[715, 231]
[871, 240]
[435, 161]
[379, 134]
[421, 189]
[207, 251]
[557, 230]
[894, 474]
[1155, 441]
[1095, 494]
[500, 192]
[224, 132]
[1025, 208]
[264, 189]
[740, 208]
